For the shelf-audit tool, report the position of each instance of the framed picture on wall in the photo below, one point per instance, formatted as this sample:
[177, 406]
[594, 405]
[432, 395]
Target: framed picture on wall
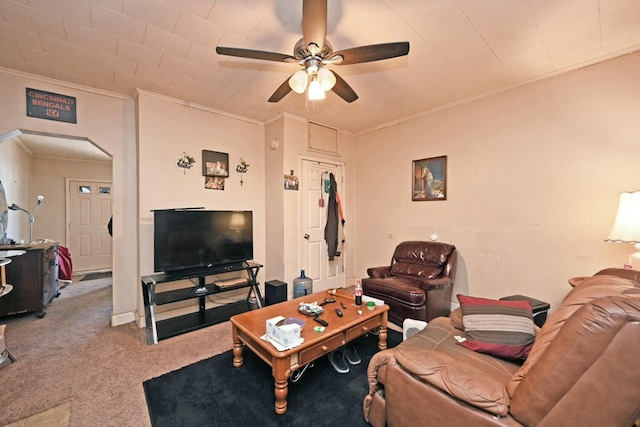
[213, 183]
[215, 163]
[429, 179]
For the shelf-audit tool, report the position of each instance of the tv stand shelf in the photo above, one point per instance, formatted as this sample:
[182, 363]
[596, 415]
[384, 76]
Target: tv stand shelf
[161, 329]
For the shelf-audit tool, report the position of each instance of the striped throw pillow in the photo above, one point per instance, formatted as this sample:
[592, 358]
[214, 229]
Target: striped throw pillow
[499, 328]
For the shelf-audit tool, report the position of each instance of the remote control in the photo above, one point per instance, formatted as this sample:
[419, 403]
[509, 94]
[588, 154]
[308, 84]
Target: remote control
[338, 312]
[321, 321]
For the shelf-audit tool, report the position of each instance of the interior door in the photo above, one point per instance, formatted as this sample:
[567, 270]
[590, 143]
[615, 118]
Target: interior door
[315, 259]
[90, 211]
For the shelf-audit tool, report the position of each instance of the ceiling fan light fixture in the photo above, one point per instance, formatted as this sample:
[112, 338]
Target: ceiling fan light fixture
[326, 78]
[298, 81]
[315, 90]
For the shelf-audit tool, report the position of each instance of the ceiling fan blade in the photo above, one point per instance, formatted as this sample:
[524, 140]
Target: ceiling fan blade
[314, 23]
[373, 52]
[281, 92]
[254, 54]
[343, 90]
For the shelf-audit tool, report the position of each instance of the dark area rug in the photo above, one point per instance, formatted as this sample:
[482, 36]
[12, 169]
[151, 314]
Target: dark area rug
[95, 276]
[214, 393]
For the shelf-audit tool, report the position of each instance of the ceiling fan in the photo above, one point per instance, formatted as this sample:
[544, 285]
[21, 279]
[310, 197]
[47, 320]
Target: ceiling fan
[313, 52]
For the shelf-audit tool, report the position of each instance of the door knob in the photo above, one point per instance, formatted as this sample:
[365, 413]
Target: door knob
[306, 236]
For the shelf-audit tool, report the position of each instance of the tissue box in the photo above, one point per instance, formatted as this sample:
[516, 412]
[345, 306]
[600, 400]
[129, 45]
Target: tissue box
[286, 335]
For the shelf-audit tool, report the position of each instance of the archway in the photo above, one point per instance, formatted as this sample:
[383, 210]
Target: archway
[35, 165]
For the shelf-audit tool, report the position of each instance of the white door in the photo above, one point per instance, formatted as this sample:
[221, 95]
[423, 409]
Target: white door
[90, 211]
[315, 259]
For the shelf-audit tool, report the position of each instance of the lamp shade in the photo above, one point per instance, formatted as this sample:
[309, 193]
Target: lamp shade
[298, 81]
[326, 78]
[626, 228]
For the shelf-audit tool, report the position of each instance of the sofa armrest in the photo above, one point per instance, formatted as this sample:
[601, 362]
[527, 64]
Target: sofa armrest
[373, 404]
[460, 380]
[378, 272]
[433, 284]
[375, 371]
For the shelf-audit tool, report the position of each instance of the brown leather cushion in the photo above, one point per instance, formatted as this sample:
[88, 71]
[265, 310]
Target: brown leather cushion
[401, 289]
[586, 291]
[463, 381]
[415, 270]
[421, 252]
[456, 319]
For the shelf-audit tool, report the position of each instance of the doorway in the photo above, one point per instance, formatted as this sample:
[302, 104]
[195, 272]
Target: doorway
[325, 273]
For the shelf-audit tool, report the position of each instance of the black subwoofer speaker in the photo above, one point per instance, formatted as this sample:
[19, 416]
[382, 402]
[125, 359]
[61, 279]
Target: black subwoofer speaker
[275, 292]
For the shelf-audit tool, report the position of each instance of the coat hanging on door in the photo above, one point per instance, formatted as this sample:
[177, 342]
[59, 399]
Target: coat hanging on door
[332, 230]
[341, 237]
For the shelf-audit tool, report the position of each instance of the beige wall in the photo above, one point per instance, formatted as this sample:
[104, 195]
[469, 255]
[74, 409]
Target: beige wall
[108, 120]
[533, 180]
[284, 209]
[192, 129]
[50, 179]
[274, 203]
[27, 177]
[16, 167]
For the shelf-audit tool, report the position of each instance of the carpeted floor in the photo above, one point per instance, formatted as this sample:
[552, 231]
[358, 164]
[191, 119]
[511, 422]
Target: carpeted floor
[95, 276]
[73, 355]
[213, 393]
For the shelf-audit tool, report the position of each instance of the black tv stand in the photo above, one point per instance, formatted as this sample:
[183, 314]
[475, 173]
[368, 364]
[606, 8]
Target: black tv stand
[161, 329]
[205, 271]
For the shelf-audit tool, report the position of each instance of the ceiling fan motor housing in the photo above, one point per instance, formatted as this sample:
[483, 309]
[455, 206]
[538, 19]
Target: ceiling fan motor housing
[302, 51]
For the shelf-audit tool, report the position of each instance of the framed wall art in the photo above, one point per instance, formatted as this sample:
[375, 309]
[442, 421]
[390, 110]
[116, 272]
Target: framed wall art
[215, 163]
[213, 183]
[429, 179]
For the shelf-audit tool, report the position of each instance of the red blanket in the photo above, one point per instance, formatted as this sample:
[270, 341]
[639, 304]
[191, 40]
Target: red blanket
[65, 270]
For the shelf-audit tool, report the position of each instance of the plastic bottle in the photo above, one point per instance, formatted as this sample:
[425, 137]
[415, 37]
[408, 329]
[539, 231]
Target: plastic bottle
[302, 285]
[358, 292]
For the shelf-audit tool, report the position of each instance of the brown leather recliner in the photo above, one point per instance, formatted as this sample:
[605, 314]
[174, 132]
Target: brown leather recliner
[582, 369]
[418, 283]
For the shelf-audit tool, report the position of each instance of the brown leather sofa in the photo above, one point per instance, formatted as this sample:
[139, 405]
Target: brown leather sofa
[418, 282]
[583, 368]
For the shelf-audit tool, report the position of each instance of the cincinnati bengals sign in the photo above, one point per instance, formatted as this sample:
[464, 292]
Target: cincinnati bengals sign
[51, 106]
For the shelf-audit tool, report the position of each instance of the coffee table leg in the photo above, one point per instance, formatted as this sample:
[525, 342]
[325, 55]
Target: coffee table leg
[382, 338]
[237, 349]
[382, 335]
[281, 376]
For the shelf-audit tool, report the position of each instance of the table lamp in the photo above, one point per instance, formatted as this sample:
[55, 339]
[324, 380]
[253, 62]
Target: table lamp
[626, 228]
[32, 217]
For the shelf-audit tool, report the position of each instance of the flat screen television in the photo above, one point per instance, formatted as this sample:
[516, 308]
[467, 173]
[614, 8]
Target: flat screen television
[191, 242]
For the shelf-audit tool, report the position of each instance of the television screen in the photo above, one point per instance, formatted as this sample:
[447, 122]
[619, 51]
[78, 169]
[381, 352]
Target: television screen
[198, 239]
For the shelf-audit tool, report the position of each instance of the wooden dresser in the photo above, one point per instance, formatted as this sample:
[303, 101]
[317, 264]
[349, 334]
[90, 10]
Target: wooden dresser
[34, 277]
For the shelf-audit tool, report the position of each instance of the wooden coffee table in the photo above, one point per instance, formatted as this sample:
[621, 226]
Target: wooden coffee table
[250, 326]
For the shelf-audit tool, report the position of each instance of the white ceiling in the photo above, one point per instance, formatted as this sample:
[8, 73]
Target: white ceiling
[63, 148]
[460, 49]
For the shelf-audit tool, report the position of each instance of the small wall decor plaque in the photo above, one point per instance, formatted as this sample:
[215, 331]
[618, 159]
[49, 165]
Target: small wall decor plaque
[241, 169]
[215, 163]
[429, 179]
[185, 162]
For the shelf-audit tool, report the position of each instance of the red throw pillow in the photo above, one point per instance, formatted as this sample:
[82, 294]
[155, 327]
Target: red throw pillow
[499, 328]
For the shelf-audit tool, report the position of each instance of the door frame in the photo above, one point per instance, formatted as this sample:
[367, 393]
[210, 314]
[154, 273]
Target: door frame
[67, 196]
[343, 197]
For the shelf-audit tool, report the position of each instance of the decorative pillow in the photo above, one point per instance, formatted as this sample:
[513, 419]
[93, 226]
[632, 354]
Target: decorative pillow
[499, 328]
